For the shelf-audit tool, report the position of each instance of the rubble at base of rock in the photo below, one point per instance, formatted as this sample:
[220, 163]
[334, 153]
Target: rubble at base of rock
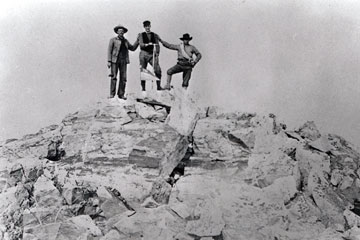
[163, 168]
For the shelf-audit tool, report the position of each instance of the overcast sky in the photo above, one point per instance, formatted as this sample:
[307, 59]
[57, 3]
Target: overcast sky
[297, 59]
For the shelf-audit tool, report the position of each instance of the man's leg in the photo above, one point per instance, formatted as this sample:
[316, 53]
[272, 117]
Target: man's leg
[122, 84]
[114, 71]
[186, 77]
[143, 65]
[175, 69]
[157, 71]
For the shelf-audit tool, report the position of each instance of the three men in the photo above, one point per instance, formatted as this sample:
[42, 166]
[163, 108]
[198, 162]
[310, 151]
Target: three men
[185, 62]
[118, 58]
[150, 50]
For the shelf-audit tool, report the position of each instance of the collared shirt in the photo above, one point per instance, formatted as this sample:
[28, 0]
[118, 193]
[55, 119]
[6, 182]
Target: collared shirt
[189, 49]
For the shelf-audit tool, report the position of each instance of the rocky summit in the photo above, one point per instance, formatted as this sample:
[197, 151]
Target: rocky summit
[163, 168]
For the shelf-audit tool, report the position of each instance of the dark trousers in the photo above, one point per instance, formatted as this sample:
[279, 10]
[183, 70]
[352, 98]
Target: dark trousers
[186, 70]
[121, 66]
[146, 58]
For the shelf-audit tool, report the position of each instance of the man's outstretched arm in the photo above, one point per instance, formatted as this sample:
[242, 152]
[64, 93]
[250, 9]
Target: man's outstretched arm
[169, 45]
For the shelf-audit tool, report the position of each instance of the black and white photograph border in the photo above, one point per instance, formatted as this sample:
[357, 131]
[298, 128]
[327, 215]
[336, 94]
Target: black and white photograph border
[188, 120]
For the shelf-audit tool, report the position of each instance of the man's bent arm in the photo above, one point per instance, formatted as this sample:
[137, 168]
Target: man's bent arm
[134, 46]
[197, 54]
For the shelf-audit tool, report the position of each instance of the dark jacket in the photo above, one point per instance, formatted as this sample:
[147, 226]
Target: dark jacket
[114, 49]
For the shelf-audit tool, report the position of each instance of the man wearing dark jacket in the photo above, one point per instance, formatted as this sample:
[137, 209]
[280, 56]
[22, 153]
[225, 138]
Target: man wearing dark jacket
[149, 45]
[118, 58]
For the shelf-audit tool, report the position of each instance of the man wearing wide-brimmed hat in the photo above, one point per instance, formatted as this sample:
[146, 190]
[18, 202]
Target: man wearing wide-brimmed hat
[185, 61]
[118, 58]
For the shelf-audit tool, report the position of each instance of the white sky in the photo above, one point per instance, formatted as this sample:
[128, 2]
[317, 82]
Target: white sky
[297, 59]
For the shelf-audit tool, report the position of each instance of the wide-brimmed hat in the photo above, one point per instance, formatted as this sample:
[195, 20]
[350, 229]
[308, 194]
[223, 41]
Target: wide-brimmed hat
[118, 27]
[186, 36]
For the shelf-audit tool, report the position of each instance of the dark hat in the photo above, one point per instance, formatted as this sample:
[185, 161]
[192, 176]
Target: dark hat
[146, 23]
[120, 26]
[186, 36]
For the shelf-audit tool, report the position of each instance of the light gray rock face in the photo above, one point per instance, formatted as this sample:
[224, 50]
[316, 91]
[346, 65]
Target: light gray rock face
[184, 114]
[309, 131]
[208, 220]
[242, 176]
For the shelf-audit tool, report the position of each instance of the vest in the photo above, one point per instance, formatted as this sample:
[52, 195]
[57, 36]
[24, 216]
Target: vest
[148, 49]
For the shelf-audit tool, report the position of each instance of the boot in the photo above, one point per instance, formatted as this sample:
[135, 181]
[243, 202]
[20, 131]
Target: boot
[158, 86]
[143, 84]
[168, 81]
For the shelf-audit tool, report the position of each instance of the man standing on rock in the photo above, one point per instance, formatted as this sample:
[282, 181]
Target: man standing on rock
[185, 62]
[150, 50]
[118, 58]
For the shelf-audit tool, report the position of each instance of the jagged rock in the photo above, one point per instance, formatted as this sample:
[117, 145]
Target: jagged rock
[2, 231]
[210, 222]
[43, 232]
[129, 227]
[149, 223]
[3, 184]
[311, 161]
[114, 235]
[346, 182]
[329, 203]
[180, 209]
[112, 207]
[330, 234]
[229, 234]
[35, 145]
[46, 194]
[103, 193]
[336, 177]
[40, 216]
[151, 113]
[33, 173]
[183, 236]
[161, 191]
[22, 194]
[322, 144]
[85, 222]
[351, 218]
[264, 169]
[309, 131]
[303, 207]
[75, 194]
[55, 150]
[214, 138]
[352, 234]
[56, 231]
[184, 114]
[7, 197]
[283, 189]
[150, 203]
[16, 174]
